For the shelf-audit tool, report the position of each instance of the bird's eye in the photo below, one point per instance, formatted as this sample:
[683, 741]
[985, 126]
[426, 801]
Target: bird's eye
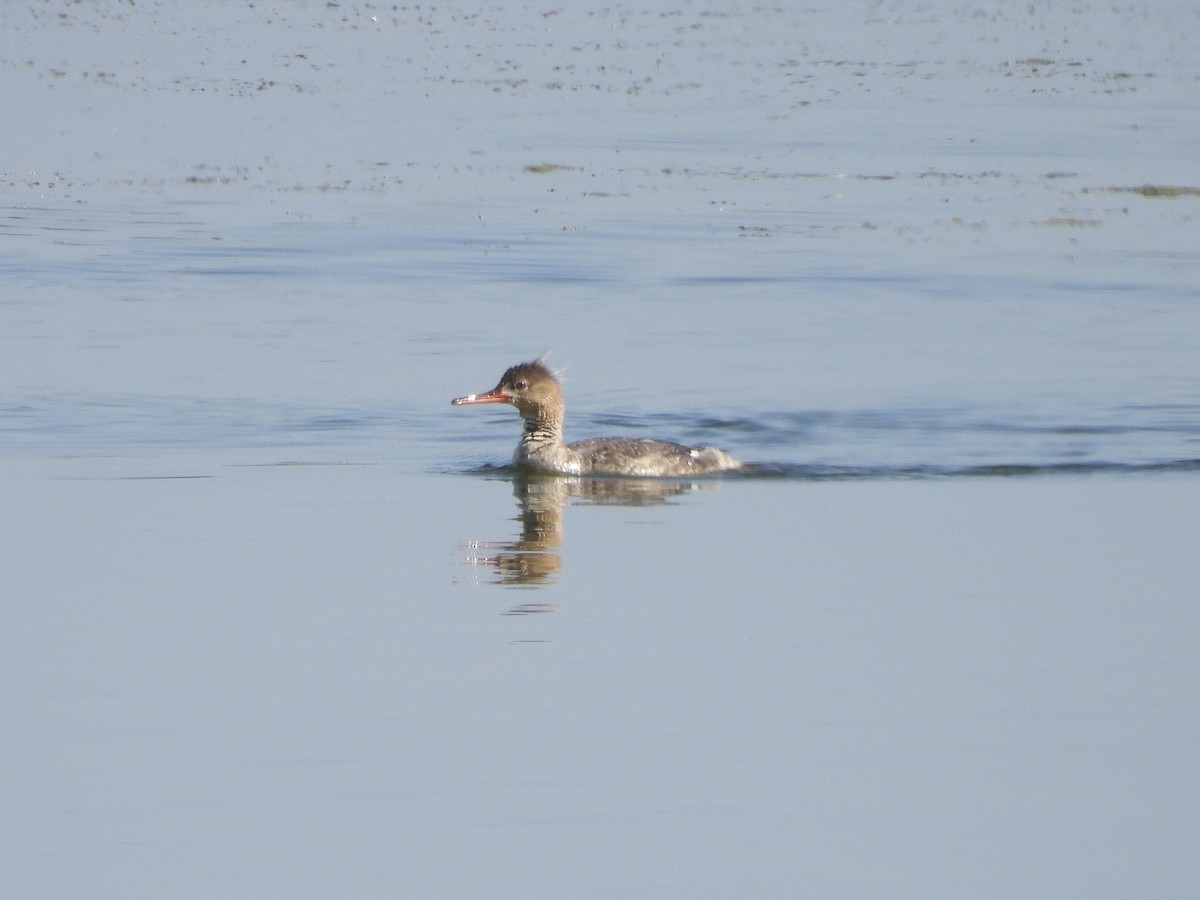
[520, 384]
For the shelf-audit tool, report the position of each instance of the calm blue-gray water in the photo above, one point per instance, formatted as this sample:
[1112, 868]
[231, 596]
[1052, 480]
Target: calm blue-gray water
[281, 622]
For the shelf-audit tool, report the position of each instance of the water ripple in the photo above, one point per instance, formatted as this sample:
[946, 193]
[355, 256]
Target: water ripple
[799, 444]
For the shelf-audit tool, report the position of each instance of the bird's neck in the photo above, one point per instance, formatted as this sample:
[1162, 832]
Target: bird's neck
[543, 429]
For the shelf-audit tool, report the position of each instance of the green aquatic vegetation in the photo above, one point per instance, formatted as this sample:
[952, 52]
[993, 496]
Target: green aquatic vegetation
[1160, 190]
[1071, 222]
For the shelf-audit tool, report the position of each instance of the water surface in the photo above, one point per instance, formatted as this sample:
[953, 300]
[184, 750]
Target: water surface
[279, 621]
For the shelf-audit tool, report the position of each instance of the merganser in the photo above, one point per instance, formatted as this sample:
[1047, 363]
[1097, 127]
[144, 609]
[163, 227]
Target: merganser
[535, 392]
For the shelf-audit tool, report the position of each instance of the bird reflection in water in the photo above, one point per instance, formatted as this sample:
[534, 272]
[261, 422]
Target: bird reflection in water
[534, 559]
